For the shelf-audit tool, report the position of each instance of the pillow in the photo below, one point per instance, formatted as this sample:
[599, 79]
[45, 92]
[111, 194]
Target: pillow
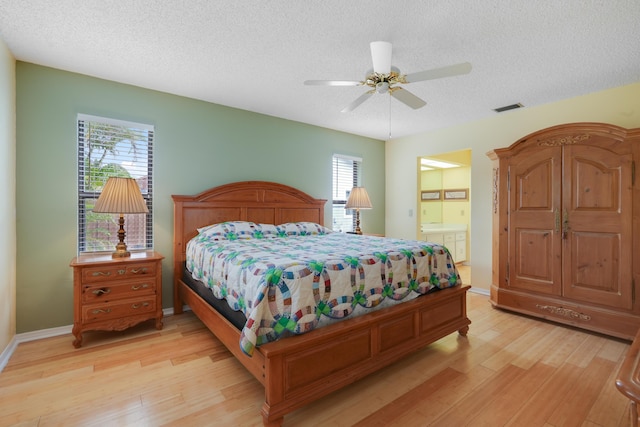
[269, 230]
[230, 230]
[301, 229]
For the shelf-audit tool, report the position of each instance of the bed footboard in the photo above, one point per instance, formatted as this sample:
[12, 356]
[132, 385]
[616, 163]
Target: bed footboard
[302, 369]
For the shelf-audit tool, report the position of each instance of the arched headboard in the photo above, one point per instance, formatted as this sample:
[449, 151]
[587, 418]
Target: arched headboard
[258, 201]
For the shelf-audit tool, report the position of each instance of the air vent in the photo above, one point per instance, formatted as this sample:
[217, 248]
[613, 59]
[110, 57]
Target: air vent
[508, 107]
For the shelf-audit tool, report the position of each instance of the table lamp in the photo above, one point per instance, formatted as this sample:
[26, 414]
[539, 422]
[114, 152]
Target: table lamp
[358, 199]
[121, 196]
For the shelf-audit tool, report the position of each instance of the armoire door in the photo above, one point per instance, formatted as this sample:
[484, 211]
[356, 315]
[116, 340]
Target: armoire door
[535, 247]
[597, 226]
[570, 224]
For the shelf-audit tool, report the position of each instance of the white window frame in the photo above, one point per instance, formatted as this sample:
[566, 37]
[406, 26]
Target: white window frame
[89, 188]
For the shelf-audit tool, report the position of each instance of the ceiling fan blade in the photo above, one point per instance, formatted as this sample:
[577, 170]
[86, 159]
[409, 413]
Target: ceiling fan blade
[359, 100]
[408, 98]
[437, 73]
[332, 83]
[381, 56]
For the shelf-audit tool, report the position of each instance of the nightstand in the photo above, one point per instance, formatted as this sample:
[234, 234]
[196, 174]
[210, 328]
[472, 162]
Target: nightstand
[112, 294]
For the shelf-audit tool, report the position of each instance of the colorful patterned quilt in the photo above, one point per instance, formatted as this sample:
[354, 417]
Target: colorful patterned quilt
[286, 279]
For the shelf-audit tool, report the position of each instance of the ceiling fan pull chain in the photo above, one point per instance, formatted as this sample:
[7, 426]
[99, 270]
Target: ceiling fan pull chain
[389, 116]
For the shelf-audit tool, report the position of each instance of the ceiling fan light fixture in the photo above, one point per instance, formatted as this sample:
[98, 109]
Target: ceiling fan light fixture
[381, 55]
[382, 87]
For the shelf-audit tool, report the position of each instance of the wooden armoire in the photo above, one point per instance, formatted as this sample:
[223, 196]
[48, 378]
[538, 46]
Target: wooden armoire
[566, 227]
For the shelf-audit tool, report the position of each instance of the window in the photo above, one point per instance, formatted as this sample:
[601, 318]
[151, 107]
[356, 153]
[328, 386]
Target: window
[346, 175]
[108, 147]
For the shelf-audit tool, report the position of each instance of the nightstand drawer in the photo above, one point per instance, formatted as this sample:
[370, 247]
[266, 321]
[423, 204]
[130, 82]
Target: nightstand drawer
[118, 272]
[131, 307]
[97, 293]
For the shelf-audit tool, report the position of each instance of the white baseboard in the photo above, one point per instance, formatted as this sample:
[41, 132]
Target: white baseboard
[30, 336]
[47, 333]
[480, 291]
[43, 333]
[7, 352]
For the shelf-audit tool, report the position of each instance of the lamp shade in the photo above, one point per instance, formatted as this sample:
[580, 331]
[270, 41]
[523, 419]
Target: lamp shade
[121, 196]
[358, 199]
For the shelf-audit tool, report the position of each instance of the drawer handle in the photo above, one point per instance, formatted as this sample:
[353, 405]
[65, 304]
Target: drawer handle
[101, 273]
[142, 270]
[122, 271]
[144, 304]
[136, 287]
[99, 310]
[101, 291]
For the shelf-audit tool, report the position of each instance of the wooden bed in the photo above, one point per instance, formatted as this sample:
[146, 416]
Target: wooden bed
[340, 353]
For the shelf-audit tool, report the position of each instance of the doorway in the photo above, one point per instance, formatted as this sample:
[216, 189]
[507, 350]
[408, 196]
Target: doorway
[444, 204]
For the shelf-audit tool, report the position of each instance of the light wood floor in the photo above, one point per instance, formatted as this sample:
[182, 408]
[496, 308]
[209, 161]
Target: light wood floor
[511, 370]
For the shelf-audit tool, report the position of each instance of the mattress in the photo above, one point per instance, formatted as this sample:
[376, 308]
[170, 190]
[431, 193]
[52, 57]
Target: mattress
[293, 278]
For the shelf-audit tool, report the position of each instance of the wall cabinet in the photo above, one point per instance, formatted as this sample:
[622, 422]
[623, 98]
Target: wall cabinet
[563, 227]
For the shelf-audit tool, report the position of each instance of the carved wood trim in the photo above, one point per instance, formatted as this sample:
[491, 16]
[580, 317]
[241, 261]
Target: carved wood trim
[566, 312]
[564, 140]
[495, 189]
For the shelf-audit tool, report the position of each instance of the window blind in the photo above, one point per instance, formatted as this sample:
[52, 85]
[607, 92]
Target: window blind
[109, 147]
[346, 175]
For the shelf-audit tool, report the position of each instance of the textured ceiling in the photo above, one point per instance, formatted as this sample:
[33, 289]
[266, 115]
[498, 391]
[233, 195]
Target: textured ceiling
[255, 55]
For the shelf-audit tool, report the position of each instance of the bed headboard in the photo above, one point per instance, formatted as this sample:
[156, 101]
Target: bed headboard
[257, 201]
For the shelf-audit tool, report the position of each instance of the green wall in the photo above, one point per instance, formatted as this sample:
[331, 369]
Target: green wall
[197, 145]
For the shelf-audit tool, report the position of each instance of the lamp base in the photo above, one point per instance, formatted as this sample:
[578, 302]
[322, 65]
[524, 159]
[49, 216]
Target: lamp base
[121, 251]
[358, 230]
[121, 247]
[117, 254]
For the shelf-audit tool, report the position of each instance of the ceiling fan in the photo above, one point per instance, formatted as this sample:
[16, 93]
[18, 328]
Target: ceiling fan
[384, 78]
